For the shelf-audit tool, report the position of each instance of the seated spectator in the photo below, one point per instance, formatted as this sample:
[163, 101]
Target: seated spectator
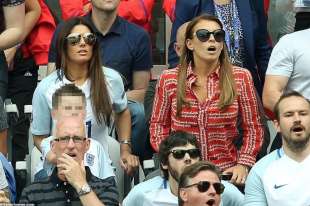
[126, 48]
[79, 62]
[71, 182]
[177, 151]
[282, 177]
[3, 129]
[205, 95]
[200, 184]
[4, 189]
[69, 100]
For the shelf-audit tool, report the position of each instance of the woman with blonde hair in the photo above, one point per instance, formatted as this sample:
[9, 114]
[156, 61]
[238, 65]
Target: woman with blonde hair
[205, 95]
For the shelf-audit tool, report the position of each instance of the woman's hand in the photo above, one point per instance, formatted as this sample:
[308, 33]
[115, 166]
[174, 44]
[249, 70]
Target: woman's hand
[239, 174]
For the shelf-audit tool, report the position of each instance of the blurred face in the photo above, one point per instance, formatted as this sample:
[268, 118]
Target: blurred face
[80, 45]
[177, 163]
[69, 106]
[70, 138]
[193, 197]
[105, 5]
[206, 46]
[294, 123]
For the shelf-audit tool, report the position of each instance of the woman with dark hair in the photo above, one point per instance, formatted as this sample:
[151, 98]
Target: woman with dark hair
[78, 62]
[204, 96]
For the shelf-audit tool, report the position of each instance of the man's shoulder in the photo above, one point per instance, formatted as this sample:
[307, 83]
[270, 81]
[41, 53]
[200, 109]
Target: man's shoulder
[131, 28]
[261, 166]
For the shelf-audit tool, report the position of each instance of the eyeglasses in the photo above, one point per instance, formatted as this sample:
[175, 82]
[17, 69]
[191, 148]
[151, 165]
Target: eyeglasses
[75, 38]
[203, 186]
[66, 139]
[180, 153]
[204, 35]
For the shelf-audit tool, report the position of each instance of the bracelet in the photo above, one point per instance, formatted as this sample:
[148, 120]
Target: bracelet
[126, 141]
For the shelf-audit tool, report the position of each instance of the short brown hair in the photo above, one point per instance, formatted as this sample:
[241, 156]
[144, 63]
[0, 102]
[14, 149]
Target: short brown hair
[192, 170]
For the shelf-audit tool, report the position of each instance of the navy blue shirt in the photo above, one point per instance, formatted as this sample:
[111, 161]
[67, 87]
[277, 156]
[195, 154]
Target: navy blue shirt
[125, 48]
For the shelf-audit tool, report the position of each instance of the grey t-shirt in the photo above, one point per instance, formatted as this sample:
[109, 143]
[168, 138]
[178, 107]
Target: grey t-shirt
[3, 120]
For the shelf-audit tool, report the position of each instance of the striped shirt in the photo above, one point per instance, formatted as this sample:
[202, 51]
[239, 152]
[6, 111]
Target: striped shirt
[53, 191]
[215, 129]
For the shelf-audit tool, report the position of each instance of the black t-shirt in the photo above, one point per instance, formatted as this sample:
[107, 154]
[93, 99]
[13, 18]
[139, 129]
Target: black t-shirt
[7, 3]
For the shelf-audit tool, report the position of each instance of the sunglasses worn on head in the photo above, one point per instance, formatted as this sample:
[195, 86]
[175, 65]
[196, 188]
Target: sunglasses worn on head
[66, 139]
[204, 35]
[203, 186]
[180, 153]
[75, 38]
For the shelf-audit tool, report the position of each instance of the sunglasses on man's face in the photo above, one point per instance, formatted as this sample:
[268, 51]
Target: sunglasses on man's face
[203, 35]
[203, 186]
[75, 38]
[180, 153]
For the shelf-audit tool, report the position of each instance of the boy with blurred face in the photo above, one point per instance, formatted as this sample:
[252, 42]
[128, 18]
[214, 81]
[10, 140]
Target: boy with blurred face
[69, 101]
[200, 184]
[71, 179]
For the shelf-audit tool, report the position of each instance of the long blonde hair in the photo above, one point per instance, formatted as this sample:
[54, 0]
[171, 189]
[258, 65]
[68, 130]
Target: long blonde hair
[228, 90]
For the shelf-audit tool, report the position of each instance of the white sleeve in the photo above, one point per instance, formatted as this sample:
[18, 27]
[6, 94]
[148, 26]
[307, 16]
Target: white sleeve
[282, 58]
[41, 114]
[254, 190]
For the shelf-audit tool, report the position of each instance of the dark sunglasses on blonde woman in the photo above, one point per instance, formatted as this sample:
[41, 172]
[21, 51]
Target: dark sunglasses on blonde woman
[203, 186]
[75, 38]
[203, 35]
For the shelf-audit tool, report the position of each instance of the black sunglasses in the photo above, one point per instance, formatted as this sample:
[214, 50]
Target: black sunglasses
[203, 186]
[75, 38]
[204, 35]
[180, 153]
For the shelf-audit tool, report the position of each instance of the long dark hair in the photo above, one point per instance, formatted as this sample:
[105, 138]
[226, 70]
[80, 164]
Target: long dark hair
[100, 99]
[227, 82]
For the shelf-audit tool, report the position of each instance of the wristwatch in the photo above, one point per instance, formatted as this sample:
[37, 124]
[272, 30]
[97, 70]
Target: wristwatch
[85, 189]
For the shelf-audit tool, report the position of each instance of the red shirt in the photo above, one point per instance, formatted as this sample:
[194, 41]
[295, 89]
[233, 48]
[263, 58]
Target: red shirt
[216, 130]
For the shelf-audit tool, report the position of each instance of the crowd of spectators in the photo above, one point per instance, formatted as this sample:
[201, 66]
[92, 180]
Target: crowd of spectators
[203, 117]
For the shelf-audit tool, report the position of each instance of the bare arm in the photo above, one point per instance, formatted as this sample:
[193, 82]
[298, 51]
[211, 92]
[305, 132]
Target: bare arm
[33, 12]
[3, 142]
[140, 83]
[37, 139]
[123, 127]
[273, 89]
[14, 22]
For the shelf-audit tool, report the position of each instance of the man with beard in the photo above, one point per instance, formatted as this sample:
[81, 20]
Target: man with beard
[177, 151]
[281, 178]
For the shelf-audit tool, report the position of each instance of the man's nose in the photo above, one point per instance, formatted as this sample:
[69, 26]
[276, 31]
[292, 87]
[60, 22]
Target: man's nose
[71, 143]
[296, 117]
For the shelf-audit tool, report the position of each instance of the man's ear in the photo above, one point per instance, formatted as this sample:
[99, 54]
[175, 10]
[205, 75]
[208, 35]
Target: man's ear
[87, 142]
[52, 143]
[183, 195]
[276, 124]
